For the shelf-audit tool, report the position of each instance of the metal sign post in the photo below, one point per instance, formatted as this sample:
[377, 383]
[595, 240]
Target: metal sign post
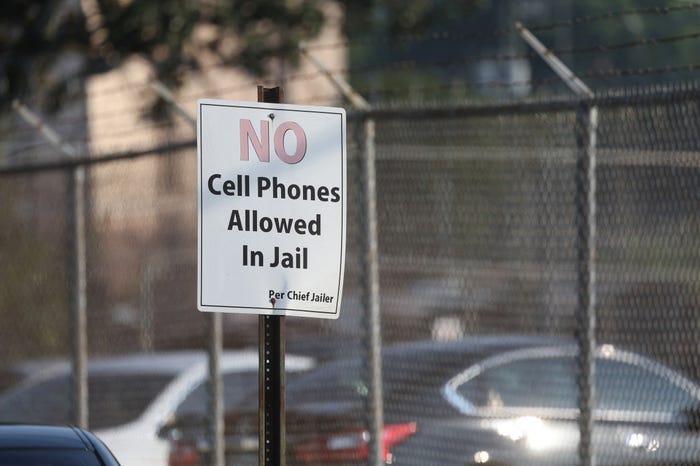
[586, 136]
[272, 441]
[272, 451]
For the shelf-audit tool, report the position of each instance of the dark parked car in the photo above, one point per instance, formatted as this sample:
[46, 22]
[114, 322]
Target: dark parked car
[503, 400]
[33, 445]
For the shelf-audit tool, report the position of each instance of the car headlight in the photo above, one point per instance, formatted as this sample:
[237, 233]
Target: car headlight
[530, 431]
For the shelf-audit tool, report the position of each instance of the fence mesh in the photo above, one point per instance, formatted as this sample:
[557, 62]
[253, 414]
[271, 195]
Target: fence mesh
[477, 211]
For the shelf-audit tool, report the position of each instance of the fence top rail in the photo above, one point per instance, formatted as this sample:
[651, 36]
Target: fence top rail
[609, 99]
[85, 159]
[676, 92]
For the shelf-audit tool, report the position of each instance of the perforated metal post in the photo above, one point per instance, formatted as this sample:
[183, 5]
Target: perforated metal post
[272, 435]
[272, 446]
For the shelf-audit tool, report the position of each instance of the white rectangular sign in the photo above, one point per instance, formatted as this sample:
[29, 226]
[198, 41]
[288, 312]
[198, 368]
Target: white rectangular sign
[272, 192]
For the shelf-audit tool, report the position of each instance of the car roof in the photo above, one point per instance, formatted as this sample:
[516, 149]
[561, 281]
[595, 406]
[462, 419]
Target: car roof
[154, 363]
[14, 373]
[183, 370]
[36, 436]
[174, 362]
[471, 346]
[432, 361]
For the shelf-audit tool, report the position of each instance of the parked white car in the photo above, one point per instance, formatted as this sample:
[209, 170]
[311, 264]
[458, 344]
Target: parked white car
[132, 397]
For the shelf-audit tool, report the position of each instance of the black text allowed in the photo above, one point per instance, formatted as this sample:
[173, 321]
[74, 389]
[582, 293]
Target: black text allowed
[249, 220]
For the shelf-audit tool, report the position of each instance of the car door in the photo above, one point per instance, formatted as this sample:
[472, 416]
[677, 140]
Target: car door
[640, 414]
[519, 408]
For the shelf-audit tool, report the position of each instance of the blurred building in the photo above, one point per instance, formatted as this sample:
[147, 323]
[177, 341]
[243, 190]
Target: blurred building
[155, 209]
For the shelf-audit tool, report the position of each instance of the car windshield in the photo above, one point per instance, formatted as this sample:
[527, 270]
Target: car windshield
[48, 457]
[239, 388]
[551, 384]
[8, 379]
[338, 381]
[113, 399]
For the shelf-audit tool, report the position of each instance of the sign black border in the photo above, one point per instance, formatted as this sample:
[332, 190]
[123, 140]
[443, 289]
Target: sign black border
[200, 259]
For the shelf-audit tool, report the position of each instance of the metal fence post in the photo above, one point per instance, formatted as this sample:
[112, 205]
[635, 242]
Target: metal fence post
[215, 344]
[371, 298]
[216, 405]
[586, 126]
[166, 94]
[370, 263]
[77, 273]
[585, 130]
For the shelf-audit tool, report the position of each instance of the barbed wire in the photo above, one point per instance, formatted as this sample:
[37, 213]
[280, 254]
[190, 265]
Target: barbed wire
[94, 157]
[660, 10]
[144, 125]
[519, 84]
[445, 36]
[496, 33]
[425, 89]
[114, 92]
[399, 65]
[414, 64]
[65, 123]
[630, 44]
[451, 36]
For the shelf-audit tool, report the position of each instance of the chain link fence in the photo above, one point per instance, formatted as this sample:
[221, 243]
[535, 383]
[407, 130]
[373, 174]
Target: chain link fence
[481, 213]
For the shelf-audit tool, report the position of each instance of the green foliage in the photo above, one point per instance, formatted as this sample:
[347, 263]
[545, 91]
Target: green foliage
[45, 45]
[394, 18]
[383, 34]
[622, 43]
[33, 290]
[35, 36]
[635, 27]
